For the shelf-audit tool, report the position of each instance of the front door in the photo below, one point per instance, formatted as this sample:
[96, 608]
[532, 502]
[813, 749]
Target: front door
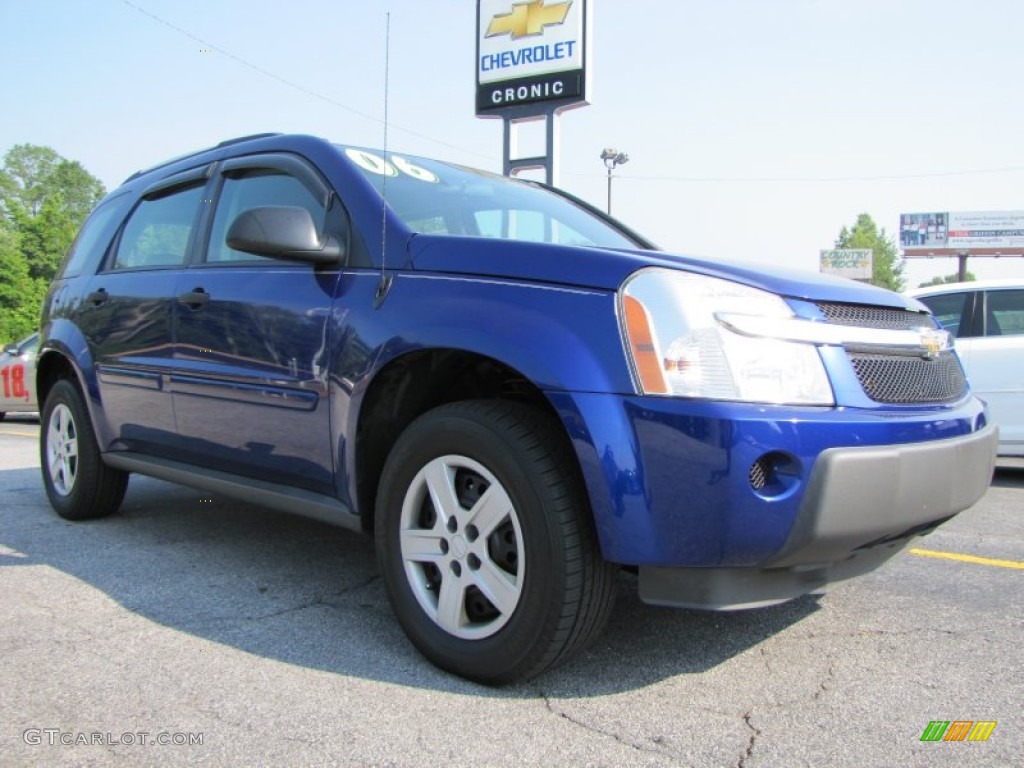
[250, 380]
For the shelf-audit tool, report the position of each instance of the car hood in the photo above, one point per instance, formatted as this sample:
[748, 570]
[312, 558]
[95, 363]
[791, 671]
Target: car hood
[603, 268]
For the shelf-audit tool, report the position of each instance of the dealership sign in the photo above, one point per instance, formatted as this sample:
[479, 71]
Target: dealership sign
[948, 233]
[530, 53]
[854, 263]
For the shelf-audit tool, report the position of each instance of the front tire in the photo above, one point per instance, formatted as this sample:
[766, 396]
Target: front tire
[486, 543]
[79, 485]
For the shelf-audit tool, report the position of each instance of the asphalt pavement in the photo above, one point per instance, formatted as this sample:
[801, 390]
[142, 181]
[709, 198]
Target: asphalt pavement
[190, 629]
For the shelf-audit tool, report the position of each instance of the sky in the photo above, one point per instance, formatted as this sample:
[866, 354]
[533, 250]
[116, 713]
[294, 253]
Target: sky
[756, 129]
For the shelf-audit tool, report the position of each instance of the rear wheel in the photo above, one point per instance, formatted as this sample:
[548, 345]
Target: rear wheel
[486, 543]
[79, 485]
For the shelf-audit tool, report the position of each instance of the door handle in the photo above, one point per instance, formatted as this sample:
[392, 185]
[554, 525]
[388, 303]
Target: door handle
[98, 297]
[194, 299]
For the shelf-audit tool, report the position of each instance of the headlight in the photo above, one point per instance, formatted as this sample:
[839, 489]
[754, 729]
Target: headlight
[678, 346]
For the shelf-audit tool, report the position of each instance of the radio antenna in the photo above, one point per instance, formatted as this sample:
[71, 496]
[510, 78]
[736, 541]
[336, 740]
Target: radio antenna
[385, 279]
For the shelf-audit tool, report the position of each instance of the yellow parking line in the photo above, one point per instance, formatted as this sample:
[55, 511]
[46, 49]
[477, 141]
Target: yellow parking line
[967, 558]
[20, 434]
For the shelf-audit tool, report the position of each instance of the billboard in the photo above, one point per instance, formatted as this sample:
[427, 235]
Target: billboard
[949, 233]
[530, 53]
[854, 263]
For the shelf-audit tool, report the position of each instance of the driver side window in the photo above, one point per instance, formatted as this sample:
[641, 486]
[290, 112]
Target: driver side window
[255, 189]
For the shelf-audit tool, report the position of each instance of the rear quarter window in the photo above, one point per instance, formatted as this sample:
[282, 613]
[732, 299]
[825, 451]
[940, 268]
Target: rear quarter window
[94, 238]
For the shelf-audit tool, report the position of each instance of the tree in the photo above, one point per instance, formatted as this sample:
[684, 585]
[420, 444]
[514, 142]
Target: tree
[887, 266]
[44, 198]
[46, 237]
[32, 174]
[19, 299]
[954, 278]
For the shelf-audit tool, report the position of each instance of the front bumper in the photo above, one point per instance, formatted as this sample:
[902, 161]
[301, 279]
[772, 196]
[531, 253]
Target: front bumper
[672, 488]
[863, 506]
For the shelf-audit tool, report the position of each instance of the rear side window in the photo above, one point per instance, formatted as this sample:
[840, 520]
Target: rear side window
[950, 309]
[158, 232]
[253, 190]
[1004, 313]
[95, 236]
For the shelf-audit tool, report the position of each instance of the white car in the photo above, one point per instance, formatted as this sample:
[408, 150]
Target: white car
[987, 318]
[18, 377]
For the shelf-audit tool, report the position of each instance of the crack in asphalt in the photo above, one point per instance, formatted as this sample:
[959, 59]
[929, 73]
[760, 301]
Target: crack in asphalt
[907, 632]
[895, 632]
[830, 675]
[318, 600]
[614, 736]
[754, 734]
[247, 725]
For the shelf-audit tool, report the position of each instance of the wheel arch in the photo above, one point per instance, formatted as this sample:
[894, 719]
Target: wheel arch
[416, 382]
[64, 354]
[52, 366]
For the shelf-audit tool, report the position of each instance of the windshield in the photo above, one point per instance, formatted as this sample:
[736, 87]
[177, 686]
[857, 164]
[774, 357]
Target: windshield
[441, 199]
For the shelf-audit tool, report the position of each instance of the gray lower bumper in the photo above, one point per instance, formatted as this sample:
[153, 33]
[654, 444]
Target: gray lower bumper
[861, 507]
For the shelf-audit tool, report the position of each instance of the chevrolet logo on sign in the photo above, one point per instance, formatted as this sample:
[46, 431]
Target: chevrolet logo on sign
[528, 19]
[531, 52]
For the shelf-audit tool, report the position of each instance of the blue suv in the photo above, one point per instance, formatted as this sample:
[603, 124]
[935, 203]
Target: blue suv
[514, 393]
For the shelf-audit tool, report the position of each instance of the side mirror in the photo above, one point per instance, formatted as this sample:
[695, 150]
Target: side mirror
[11, 349]
[282, 232]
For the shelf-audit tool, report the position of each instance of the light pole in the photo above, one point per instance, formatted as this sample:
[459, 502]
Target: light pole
[612, 158]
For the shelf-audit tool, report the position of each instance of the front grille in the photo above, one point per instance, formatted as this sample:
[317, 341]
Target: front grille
[895, 378]
[901, 379]
[874, 317]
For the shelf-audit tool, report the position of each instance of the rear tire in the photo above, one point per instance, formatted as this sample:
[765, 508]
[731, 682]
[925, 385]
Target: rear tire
[79, 485]
[486, 542]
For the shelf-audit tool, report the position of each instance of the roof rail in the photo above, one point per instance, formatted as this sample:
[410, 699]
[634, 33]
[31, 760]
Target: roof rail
[240, 139]
[225, 143]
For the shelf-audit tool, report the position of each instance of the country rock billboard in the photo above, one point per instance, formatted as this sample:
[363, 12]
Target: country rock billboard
[854, 263]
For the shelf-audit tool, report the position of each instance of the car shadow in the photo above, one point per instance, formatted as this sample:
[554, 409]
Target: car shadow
[1009, 473]
[302, 592]
[26, 418]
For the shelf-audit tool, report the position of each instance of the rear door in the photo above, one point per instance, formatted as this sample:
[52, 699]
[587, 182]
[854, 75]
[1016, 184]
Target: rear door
[128, 310]
[996, 363]
[250, 380]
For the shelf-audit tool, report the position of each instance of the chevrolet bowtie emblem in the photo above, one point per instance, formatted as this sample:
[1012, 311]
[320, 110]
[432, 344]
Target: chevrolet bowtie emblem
[528, 19]
[933, 341]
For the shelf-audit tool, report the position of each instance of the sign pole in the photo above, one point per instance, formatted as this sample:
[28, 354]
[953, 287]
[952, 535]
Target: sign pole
[546, 161]
[532, 62]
